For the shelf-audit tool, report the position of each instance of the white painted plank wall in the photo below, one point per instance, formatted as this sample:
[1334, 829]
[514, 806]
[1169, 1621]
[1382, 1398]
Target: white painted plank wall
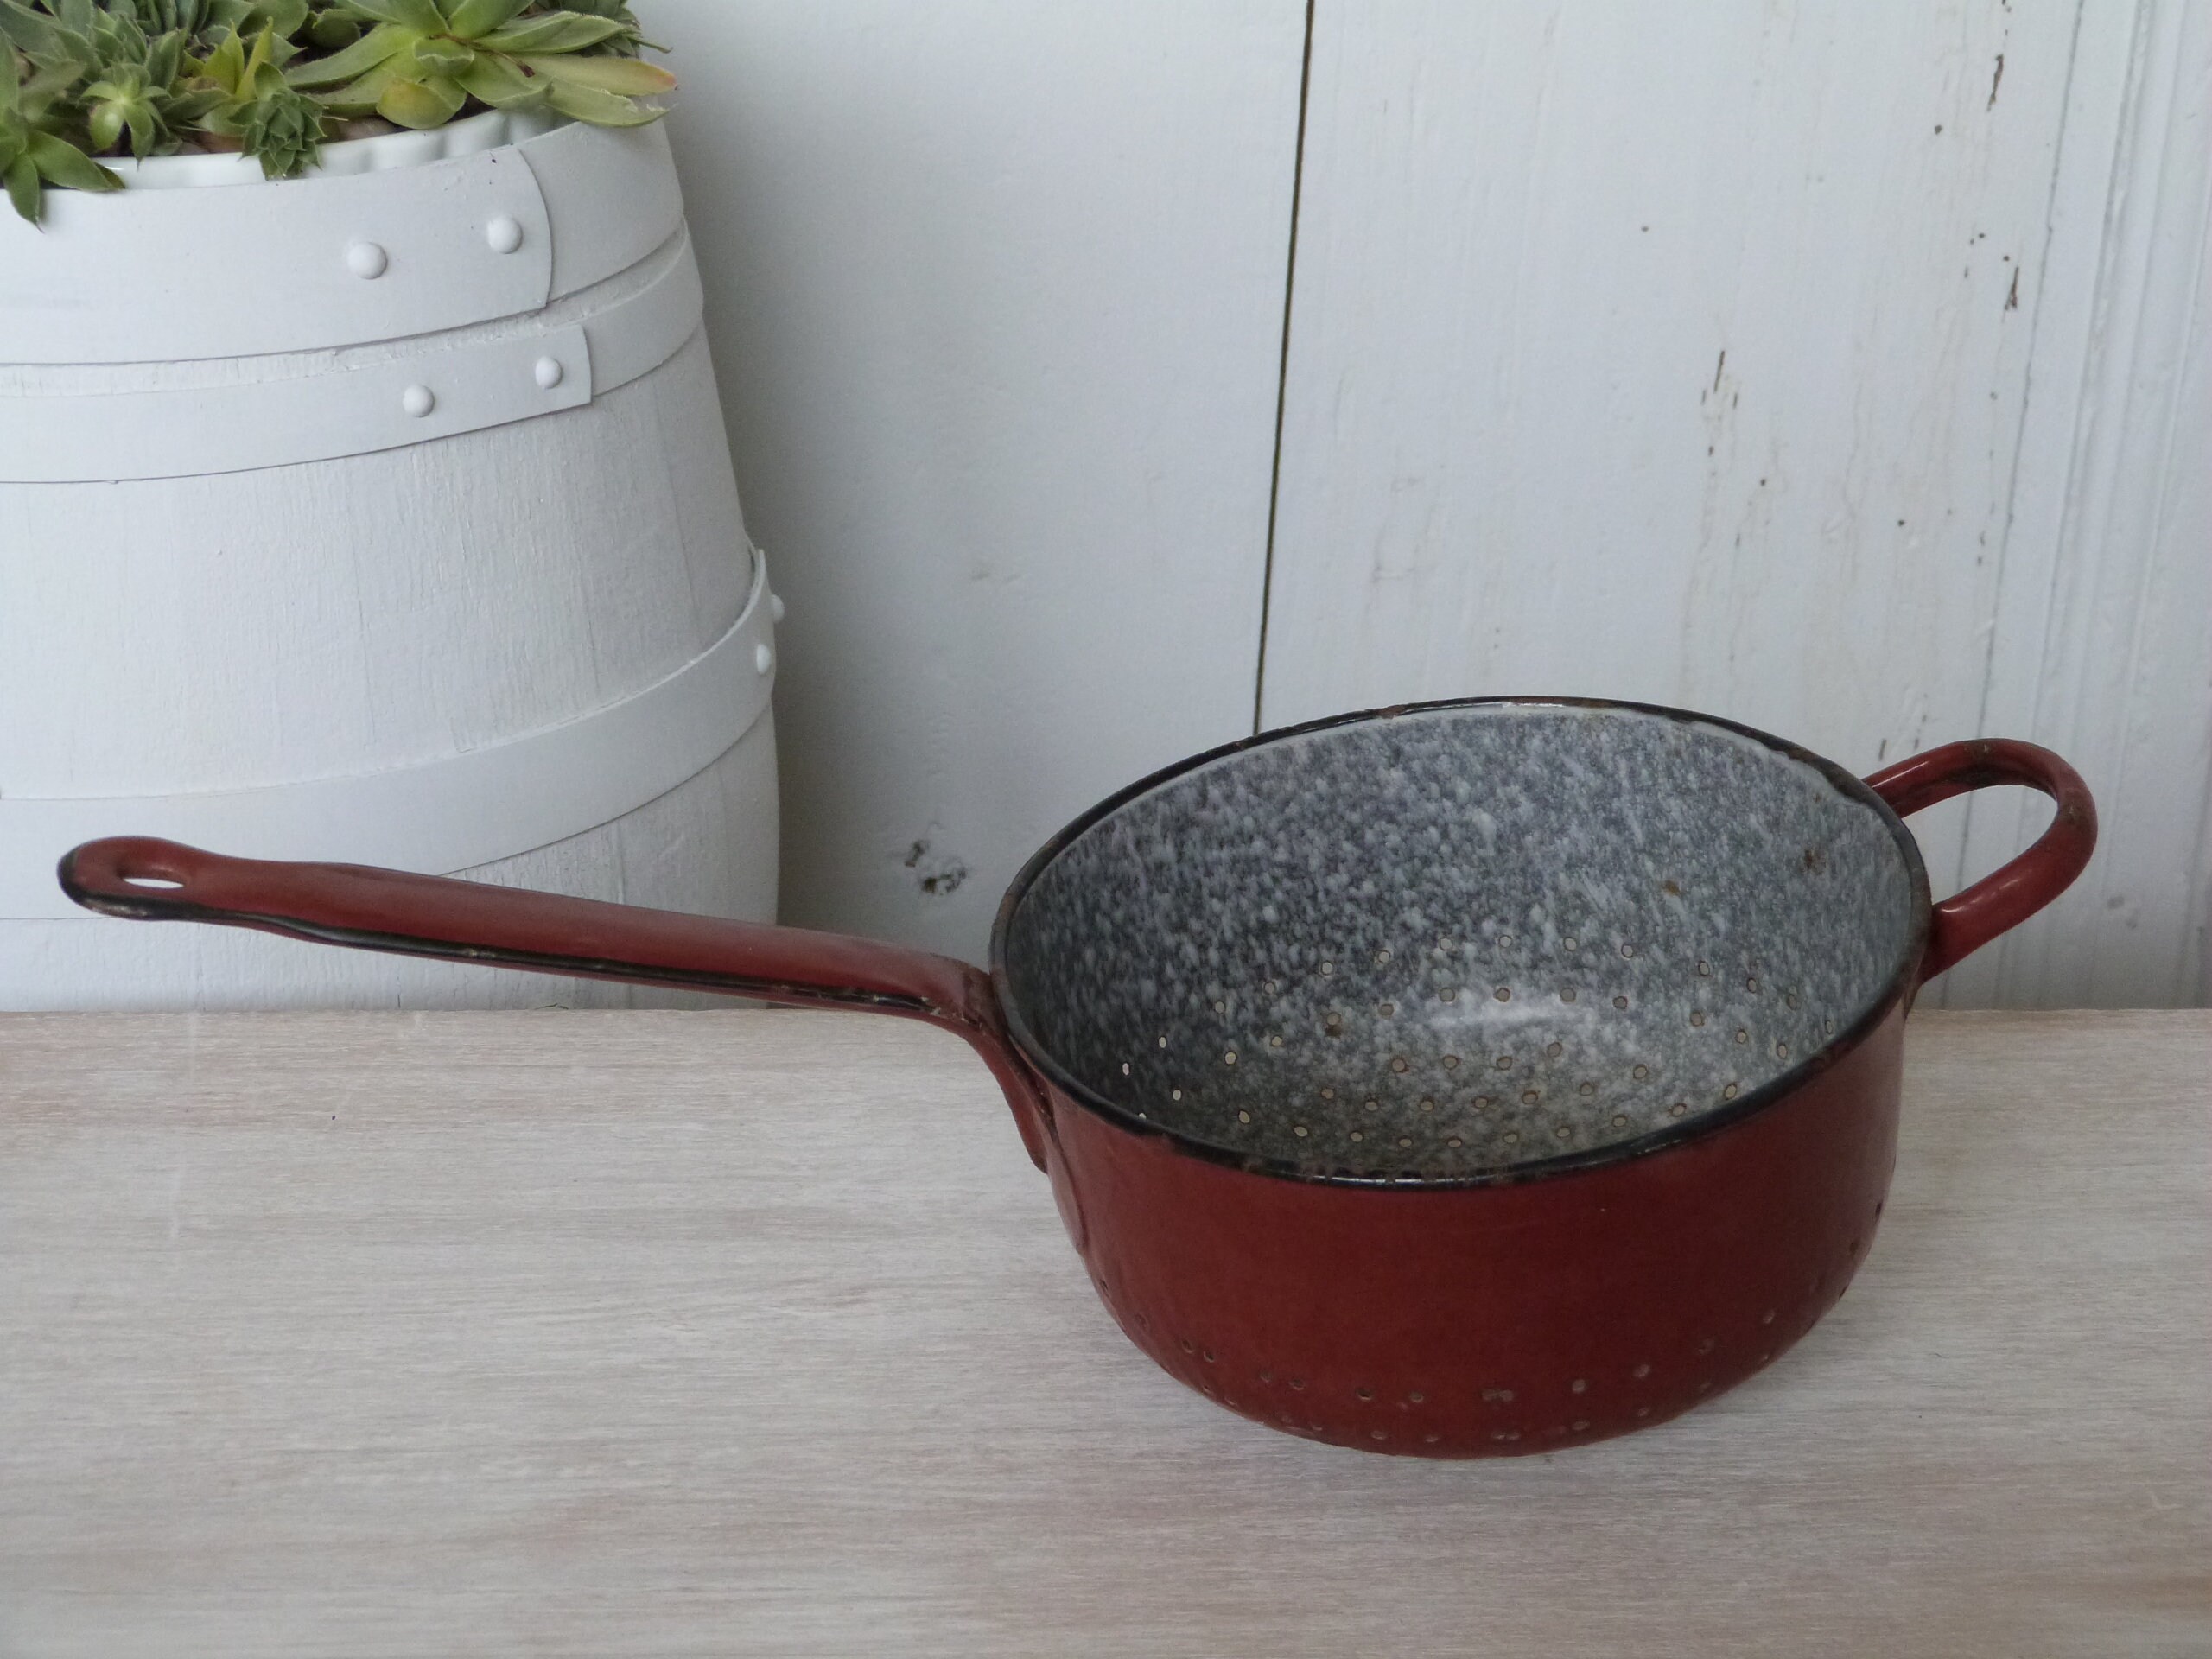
[996, 292]
[1668, 357]
[1686, 357]
[2104, 623]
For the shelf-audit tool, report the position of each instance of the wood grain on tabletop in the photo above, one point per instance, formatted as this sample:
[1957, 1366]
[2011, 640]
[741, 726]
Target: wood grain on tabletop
[662, 1333]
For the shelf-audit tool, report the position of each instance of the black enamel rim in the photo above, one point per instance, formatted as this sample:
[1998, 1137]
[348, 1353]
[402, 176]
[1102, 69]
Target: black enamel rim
[1900, 985]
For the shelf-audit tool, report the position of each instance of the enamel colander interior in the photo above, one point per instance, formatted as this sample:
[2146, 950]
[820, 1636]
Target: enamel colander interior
[1453, 941]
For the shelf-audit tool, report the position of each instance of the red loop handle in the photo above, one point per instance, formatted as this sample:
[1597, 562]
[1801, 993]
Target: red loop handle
[1964, 923]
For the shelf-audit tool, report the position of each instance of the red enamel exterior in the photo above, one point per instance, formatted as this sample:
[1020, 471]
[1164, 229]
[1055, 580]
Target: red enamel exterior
[1487, 1321]
[1520, 1314]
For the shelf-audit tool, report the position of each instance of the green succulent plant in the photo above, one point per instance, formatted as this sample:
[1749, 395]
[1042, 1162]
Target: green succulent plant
[422, 59]
[32, 157]
[276, 79]
[270, 118]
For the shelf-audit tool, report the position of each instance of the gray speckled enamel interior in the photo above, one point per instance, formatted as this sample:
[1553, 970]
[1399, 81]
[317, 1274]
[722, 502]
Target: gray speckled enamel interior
[1457, 940]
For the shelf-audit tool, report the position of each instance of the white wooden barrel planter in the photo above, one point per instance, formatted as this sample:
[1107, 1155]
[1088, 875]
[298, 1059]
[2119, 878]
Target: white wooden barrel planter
[384, 517]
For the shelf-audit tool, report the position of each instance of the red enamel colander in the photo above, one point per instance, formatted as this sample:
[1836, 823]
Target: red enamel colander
[1461, 1079]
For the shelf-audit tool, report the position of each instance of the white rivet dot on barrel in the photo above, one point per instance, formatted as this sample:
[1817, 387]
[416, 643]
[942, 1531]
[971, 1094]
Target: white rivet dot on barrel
[504, 234]
[763, 658]
[366, 259]
[776, 607]
[417, 401]
[549, 372]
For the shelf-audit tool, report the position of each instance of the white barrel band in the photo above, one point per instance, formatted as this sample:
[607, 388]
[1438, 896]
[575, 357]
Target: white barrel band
[307, 264]
[352, 401]
[611, 195]
[446, 815]
[147, 275]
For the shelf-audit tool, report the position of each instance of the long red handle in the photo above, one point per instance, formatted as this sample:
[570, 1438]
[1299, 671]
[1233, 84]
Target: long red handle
[2001, 901]
[145, 879]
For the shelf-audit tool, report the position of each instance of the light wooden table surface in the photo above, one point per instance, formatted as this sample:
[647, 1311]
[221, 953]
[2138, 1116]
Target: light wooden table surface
[756, 1333]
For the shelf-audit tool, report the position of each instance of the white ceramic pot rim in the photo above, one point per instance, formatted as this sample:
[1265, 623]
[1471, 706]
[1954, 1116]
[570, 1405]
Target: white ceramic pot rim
[487, 130]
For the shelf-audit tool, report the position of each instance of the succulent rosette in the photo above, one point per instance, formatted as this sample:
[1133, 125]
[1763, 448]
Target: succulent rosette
[277, 79]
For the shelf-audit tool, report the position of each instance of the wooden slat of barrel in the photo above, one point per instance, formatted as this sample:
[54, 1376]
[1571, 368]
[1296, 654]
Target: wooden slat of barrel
[709, 846]
[374, 612]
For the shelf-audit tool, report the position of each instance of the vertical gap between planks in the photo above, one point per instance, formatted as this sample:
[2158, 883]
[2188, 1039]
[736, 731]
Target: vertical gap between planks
[2080, 503]
[1959, 874]
[1282, 371]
